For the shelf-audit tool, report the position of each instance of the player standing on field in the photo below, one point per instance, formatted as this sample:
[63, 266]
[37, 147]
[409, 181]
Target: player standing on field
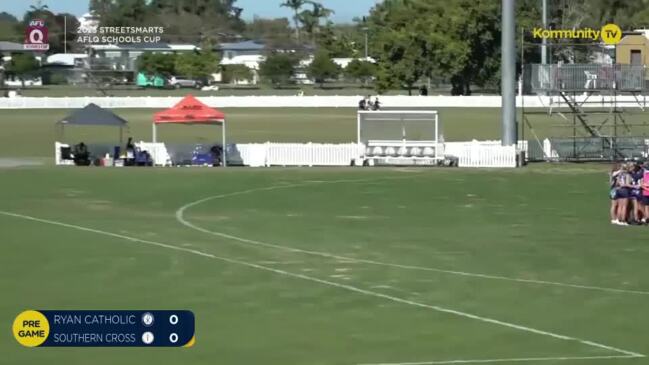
[623, 185]
[645, 192]
[635, 199]
[615, 170]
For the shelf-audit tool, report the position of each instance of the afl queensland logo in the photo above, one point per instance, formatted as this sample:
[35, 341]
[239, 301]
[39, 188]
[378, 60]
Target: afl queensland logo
[36, 36]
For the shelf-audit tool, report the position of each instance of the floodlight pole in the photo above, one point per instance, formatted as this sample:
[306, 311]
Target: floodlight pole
[544, 41]
[225, 146]
[508, 69]
[367, 53]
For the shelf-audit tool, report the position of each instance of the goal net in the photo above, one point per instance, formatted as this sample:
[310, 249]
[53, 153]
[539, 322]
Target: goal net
[400, 137]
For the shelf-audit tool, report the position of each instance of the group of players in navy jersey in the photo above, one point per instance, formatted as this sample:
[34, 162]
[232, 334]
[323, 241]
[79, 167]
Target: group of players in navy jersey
[630, 194]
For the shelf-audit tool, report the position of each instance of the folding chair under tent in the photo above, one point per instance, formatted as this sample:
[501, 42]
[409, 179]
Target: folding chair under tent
[191, 111]
[93, 115]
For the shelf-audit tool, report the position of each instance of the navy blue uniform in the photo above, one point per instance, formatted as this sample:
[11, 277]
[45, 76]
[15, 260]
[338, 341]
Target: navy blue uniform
[636, 191]
[622, 180]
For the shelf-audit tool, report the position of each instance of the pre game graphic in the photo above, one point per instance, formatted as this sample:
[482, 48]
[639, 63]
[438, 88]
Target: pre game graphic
[36, 36]
[117, 328]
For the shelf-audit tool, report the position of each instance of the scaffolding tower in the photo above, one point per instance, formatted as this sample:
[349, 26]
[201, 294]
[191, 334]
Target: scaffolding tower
[598, 111]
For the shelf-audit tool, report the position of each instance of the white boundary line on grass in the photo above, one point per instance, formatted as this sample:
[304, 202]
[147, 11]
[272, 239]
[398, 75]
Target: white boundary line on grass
[180, 217]
[354, 289]
[524, 359]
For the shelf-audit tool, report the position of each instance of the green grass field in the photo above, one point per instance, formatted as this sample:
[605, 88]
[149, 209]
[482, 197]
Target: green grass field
[346, 297]
[322, 266]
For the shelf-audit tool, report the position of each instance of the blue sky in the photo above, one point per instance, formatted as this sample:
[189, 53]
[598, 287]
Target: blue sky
[345, 9]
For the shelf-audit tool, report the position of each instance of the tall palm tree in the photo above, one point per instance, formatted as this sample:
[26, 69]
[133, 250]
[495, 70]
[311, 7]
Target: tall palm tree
[309, 21]
[295, 5]
[38, 7]
[311, 18]
[319, 11]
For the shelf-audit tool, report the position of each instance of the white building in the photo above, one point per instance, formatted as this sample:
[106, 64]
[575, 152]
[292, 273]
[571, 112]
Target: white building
[250, 61]
[88, 23]
[67, 59]
[247, 53]
[123, 57]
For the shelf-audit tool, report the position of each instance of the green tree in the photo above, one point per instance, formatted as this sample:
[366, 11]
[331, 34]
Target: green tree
[156, 63]
[234, 73]
[398, 48]
[295, 5]
[274, 33]
[6, 17]
[59, 40]
[121, 12]
[312, 18]
[9, 28]
[479, 36]
[24, 66]
[278, 68]
[39, 7]
[323, 68]
[412, 39]
[360, 70]
[197, 64]
[191, 21]
[341, 40]
[402, 67]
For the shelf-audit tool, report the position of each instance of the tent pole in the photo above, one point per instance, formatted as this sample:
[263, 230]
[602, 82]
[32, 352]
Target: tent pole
[154, 133]
[225, 147]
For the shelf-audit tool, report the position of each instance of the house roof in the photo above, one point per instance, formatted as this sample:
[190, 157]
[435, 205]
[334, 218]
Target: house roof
[144, 47]
[644, 32]
[637, 37]
[251, 61]
[64, 59]
[11, 46]
[241, 46]
[340, 61]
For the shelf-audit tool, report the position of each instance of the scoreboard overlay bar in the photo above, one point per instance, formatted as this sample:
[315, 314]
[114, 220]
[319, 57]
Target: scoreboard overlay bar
[105, 328]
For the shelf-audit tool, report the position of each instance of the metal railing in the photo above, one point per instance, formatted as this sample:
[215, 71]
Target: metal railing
[587, 77]
[600, 149]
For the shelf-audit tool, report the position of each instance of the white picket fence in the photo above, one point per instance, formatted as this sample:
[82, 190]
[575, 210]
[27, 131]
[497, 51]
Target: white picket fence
[488, 156]
[485, 153]
[294, 154]
[469, 154]
[250, 154]
[333, 101]
[157, 151]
